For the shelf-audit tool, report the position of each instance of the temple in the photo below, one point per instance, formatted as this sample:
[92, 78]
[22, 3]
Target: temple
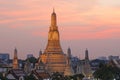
[15, 60]
[53, 56]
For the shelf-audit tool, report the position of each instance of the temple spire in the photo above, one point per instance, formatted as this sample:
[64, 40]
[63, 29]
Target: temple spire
[69, 53]
[86, 54]
[40, 53]
[53, 19]
[15, 60]
[53, 10]
[53, 45]
[68, 69]
[53, 56]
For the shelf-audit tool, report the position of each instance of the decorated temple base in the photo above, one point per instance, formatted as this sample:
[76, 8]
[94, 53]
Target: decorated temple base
[54, 62]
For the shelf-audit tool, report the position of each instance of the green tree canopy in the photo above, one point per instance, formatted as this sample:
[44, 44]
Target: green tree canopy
[107, 72]
[57, 76]
[32, 59]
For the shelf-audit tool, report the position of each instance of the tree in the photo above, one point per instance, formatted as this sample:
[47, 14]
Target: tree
[32, 59]
[57, 76]
[79, 76]
[74, 77]
[30, 77]
[2, 78]
[107, 72]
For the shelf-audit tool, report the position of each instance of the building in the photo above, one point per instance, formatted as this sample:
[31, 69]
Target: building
[40, 72]
[15, 60]
[113, 57]
[16, 74]
[102, 58]
[96, 63]
[53, 56]
[114, 63]
[68, 69]
[4, 62]
[84, 67]
[4, 56]
[27, 67]
[79, 68]
[29, 55]
[4, 67]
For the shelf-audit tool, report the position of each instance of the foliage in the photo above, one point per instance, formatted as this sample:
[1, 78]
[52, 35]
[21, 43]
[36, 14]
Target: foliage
[32, 59]
[80, 76]
[30, 77]
[59, 76]
[2, 78]
[106, 72]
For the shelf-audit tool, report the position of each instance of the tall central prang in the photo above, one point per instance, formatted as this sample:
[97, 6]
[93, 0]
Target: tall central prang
[53, 45]
[53, 56]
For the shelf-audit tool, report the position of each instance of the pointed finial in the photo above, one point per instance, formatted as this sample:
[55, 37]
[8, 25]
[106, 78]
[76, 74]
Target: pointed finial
[53, 10]
[86, 54]
[40, 53]
[79, 56]
[15, 49]
[69, 48]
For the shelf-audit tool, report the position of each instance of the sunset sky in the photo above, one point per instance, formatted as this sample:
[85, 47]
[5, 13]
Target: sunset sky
[91, 24]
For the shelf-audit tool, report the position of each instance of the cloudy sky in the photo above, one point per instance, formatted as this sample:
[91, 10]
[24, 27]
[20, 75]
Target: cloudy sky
[91, 24]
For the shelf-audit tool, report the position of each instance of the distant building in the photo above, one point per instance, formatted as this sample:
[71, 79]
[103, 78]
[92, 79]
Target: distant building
[29, 55]
[4, 67]
[96, 63]
[40, 72]
[68, 69]
[113, 57]
[4, 62]
[74, 61]
[15, 60]
[84, 67]
[102, 58]
[27, 67]
[4, 56]
[16, 74]
[114, 63]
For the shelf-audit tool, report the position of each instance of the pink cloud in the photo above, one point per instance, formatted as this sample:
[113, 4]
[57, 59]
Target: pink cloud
[89, 32]
[39, 34]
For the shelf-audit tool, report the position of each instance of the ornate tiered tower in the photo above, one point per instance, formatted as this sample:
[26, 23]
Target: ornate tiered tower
[53, 45]
[69, 53]
[53, 56]
[27, 67]
[86, 55]
[15, 60]
[86, 66]
[68, 69]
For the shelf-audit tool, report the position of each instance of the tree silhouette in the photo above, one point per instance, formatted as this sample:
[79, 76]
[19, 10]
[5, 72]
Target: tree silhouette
[107, 72]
